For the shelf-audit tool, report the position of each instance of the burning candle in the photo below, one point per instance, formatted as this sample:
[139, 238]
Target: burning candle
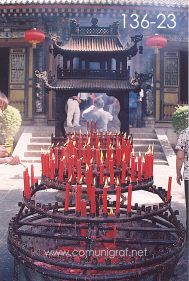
[130, 188]
[32, 175]
[88, 154]
[133, 168]
[111, 168]
[118, 195]
[101, 174]
[78, 199]
[139, 167]
[50, 153]
[105, 203]
[123, 171]
[147, 166]
[93, 200]
[67, 197]
[78, 170]
[118, 155]
[52, 169]
[70, 166]
[61, 170]
[43, 163]
[169, 189]
[98, 157]
[56, 158]
[27, 190]
[47, 165]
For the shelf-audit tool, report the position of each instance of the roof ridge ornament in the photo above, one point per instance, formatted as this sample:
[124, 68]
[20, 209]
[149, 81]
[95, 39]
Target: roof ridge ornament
[54, 37]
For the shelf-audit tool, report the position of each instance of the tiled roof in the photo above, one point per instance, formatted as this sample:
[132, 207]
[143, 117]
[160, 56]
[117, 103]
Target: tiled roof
[89, 84]
[169, 3]
[93, 44]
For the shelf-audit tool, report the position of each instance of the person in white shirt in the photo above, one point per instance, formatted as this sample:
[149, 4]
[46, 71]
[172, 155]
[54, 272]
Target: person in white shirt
[73, 112]
[97, 114]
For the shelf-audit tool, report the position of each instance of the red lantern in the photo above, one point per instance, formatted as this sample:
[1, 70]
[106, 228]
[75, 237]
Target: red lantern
[34, 36]
[156, 41]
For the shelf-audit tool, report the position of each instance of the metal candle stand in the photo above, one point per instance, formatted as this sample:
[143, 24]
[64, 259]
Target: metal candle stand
[65, 245]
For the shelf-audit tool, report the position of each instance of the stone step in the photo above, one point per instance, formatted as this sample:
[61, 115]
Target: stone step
[146, 141]
[38, 146]
[144, 147]
[40, 140]
[144, 136]
[42, 133]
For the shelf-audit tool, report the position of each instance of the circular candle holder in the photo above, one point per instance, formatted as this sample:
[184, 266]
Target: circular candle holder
[60, 245]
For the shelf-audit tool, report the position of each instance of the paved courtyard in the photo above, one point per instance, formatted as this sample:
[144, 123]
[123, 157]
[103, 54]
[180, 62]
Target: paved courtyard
[11, 189]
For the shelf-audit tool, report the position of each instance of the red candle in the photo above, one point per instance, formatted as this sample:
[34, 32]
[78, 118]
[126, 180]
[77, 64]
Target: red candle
[47, 165]
[61, 170]
[98, 157]
[32, 175]
[78, 198]
[101, 174]
[70, 166]
[52, 169]
[123, 172]
[105, 203]
[139, 167]
[83, 214]
[169, 189]
[79, 170]
[90, 174]
[56, 158]
[43, 163]
[88, 154]
[118, 155]
[133, 168]
[118, 195]
[130, 188]
[27, 190]
[67, 197]
[93, 200]
[50, 153]
[147, 166]
[111, 168]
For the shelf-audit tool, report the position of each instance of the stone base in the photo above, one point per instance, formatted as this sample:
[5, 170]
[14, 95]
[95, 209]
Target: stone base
[149, 121]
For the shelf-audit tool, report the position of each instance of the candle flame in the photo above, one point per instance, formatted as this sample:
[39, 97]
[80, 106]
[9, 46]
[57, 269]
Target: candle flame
[94, 181]
[139, 154]
[101, 156]
[111, 211]
[117, 181]
[80, 131]
[133, 152]
[87, 167]
[63, 158]
[70, 179]
[123, 157]
[98, 145]
[112, 156]
[91, 161]
[81, 179]
[149, 150]
[88, 141]
[106, 182]
[125, 135]
[74, 143]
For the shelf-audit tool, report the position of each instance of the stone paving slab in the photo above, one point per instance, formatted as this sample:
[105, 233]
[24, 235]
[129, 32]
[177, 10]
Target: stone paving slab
[11, 188]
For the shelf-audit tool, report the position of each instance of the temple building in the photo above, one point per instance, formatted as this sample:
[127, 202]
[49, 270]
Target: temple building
[20, 59]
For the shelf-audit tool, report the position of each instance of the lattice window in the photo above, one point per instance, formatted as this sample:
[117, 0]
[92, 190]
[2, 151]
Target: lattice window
[17, 66]
[171, 70]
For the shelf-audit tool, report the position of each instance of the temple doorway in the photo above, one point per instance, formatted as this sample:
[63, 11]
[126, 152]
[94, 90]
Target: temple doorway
[4, 70]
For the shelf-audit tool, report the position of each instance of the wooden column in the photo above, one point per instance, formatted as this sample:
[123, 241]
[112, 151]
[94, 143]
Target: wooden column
[157, 86]
[123, 115]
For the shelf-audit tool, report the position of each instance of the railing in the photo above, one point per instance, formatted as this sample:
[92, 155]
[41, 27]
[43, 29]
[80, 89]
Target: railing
[168, 110]
[88, 74]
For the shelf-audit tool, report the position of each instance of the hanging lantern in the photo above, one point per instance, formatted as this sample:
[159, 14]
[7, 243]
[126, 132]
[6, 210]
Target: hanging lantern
[34, 36]
[156, 42]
